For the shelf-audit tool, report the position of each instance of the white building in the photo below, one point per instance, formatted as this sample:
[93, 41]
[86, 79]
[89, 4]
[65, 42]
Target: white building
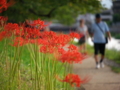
[107, 15]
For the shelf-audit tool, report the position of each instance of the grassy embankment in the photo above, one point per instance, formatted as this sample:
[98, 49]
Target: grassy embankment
[25, 67]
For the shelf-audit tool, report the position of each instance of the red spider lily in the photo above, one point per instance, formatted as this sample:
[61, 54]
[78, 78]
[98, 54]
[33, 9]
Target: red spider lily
[4, 4]
[32, 41]
[71, 57]
[74, 35]
[61, 50]
[59, 40]
[62, 39]
[42, 41]
[66, 38]
[73, 79]
[38, 41]
[51, 45]
[47, 49]
[31, 33]
[3, 20]
[11, 28]
[73, 48]
[39, 24]
[2, 35]
[54, 40]
[48, 35]
[19, 41]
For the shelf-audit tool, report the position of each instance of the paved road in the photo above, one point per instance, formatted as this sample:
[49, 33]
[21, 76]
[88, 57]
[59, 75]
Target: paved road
[102, 79]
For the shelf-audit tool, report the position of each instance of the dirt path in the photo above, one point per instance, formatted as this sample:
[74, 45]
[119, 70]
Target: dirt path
[102, 79]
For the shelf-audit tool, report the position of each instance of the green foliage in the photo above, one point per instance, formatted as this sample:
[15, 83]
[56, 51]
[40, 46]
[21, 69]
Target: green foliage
[116, 35]
[25, 53]
[109, 23]
[25, 78]
[65, 11]
[116, 18]
[90, 49]
[113, 55]
[116, 69]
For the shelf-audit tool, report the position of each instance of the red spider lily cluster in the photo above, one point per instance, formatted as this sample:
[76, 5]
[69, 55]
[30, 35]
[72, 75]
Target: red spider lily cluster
[3, 20]
[38, 23]
[9, 30]
[71, 57]
[75, 35]
[73, 79]
[4, 5]
[48, 41]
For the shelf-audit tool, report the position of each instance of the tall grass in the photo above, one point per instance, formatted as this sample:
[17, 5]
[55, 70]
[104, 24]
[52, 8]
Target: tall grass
[113, 55]
[25, 74]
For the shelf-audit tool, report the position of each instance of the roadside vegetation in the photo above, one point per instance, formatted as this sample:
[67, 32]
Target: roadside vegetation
[116, 35]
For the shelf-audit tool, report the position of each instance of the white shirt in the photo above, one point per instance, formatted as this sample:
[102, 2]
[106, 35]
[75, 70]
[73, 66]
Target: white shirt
[82, 30]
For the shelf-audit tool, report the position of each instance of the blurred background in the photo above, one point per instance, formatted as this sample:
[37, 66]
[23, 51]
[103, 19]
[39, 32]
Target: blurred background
[64, 15]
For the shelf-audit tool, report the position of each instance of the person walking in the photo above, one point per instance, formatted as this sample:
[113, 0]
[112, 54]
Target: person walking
[99, 30]
[82, 30]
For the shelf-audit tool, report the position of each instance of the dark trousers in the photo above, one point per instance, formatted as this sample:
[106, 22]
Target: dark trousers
[99, 48]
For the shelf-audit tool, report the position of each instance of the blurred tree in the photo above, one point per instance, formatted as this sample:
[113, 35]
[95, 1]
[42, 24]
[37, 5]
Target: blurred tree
[65, 11]
[116, 18]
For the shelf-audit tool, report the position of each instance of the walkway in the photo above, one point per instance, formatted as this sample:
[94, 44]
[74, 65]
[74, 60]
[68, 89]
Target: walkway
[102, 79]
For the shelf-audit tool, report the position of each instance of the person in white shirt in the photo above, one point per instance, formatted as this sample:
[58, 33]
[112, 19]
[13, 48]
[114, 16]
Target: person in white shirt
[99, 29]
[82, 30]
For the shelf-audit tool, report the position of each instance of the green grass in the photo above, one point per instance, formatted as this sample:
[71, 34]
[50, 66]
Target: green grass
[116, 69]
[25, 55]
[25, 67]
[116, 35]
[90, 49]
[113, 55]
